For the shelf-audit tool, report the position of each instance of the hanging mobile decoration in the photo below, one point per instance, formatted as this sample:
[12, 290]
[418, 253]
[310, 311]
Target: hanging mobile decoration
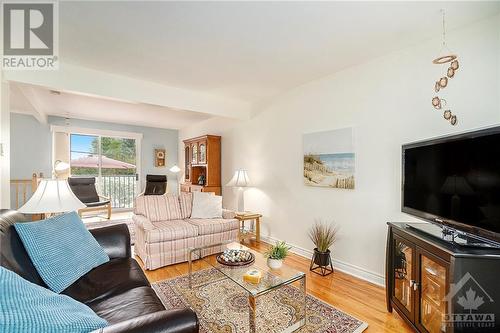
[442, 83]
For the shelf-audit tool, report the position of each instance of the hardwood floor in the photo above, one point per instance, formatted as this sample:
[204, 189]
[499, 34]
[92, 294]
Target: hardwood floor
[357, 297]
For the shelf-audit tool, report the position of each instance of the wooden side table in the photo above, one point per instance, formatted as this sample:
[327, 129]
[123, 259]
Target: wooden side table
[242, 217]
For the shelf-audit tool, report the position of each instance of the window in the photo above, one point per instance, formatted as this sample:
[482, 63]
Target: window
[112, 160]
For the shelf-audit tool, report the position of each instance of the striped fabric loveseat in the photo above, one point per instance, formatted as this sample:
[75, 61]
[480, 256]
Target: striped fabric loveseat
[165, 231]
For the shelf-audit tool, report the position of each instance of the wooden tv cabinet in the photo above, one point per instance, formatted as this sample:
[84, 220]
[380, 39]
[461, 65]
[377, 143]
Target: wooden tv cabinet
[437, 286]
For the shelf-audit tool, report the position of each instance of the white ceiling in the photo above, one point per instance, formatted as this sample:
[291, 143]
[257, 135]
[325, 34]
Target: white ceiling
[249, 51]
[236, 51]
[40, 102]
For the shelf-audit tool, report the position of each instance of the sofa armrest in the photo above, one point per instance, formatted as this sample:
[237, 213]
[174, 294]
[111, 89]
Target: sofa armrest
[169, 321]
[228, 214]
[115, 240]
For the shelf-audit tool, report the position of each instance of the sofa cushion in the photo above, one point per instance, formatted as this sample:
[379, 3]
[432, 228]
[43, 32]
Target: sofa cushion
[127, 305]
[27, 307]
[158, 207]
[111, 278]
[61, 249]
[186, 202]
[169, 230]
[213, 226]
[206, 206]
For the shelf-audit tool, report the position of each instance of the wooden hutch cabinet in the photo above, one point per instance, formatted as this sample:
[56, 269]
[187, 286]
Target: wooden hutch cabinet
[202, 164]
[421, 271]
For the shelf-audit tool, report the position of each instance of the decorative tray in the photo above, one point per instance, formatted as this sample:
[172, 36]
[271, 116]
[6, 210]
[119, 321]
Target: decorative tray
[236, 258]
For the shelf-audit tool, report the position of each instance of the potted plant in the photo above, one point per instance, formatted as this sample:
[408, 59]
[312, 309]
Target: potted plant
[323, 235]
[276, 253]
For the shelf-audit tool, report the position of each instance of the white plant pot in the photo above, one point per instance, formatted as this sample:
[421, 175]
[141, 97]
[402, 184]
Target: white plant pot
[274, 263]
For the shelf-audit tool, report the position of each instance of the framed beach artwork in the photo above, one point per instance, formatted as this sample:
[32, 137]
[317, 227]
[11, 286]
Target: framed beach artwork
[329, 159]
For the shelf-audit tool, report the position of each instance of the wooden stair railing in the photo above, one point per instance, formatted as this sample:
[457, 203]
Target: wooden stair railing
[24, 189]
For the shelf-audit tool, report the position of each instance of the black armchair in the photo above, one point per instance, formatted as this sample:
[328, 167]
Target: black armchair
[85, 191]
[156, 185]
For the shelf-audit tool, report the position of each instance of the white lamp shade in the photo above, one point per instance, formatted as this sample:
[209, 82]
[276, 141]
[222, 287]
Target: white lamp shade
[175, 169]
[240, 179]
[52, 196]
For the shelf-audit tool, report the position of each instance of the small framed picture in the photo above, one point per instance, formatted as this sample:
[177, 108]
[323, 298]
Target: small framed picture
[160, 157]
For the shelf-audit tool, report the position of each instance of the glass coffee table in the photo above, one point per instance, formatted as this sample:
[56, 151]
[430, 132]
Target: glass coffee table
[272, 279]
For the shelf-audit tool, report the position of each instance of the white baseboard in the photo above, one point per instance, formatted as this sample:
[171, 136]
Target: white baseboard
[344, 267]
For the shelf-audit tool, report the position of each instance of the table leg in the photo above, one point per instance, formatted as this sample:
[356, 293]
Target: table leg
[190, 267]
[304, 290]
[242, 230]
[257, 229]
[251, 313]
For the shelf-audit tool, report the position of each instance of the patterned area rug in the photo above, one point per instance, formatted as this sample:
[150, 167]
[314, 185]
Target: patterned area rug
[107, 223]
[222, 307]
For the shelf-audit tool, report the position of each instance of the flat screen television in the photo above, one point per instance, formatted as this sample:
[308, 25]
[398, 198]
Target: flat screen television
[455, 181]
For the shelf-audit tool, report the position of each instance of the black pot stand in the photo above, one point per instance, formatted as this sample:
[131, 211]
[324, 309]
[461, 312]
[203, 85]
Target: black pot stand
[321, 263]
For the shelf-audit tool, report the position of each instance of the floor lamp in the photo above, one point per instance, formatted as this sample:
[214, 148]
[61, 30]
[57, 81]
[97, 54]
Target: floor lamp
[175, 170]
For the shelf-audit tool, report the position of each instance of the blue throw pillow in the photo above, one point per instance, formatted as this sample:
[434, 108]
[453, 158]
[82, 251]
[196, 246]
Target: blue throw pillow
[61, 249]
[29, 308]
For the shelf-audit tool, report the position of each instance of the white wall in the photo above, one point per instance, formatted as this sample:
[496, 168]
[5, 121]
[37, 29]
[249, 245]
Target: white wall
[388, 102]
[5, 141]
[31, 146]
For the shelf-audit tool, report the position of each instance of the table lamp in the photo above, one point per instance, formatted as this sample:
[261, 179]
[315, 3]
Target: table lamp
[52, 196]
[240, 180]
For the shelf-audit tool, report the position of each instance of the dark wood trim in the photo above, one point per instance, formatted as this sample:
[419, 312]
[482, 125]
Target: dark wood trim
[388, 269]
[408, 321]
[408, 313]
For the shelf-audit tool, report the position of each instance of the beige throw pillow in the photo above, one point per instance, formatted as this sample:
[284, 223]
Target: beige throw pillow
[206, 206]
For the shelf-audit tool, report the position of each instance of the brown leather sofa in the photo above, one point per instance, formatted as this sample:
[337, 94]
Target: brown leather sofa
[117, 291]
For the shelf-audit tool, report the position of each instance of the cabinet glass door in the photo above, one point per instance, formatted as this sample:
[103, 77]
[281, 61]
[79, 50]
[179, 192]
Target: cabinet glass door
[403, 273]
[202, 153]
[433, 275]
[194, 152]
[187, 159]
